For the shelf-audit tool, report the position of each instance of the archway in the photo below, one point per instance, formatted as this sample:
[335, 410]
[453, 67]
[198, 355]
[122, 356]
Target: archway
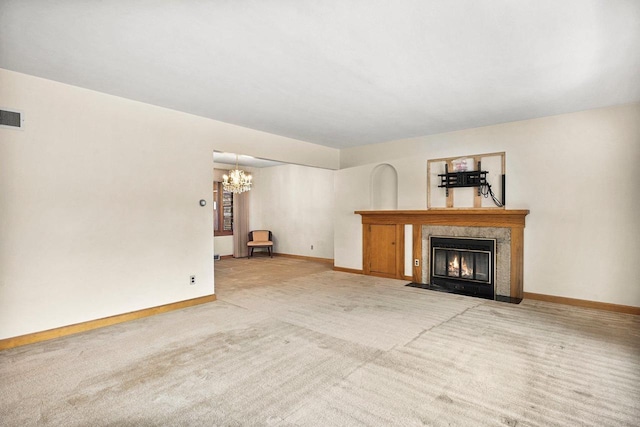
[384, 187]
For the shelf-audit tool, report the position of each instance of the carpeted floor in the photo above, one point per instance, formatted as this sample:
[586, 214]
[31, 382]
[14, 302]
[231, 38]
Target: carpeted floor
[292, 343]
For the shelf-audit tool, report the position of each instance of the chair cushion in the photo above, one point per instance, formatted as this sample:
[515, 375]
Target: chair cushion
[261, 236]
[265, 243]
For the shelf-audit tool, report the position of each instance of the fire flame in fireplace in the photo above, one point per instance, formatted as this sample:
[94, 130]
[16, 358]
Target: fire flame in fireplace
[455, 269]
[454, 266]
[466, 271]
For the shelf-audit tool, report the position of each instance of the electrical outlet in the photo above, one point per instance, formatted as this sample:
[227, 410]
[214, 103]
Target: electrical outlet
[311, 247]
[192, 280]
[416, 262]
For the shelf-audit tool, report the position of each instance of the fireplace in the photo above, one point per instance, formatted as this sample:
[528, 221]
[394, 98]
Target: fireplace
[463, 265]
[504, 227]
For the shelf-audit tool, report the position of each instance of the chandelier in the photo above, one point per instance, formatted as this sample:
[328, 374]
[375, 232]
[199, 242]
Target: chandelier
[237, 181]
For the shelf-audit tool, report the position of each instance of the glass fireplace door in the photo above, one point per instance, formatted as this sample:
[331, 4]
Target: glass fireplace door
[462, 264]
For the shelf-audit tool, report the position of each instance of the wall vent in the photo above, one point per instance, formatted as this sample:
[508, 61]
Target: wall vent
[11, 119]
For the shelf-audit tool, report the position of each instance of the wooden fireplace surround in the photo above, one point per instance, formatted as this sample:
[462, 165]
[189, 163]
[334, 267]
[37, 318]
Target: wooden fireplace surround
[507, 218]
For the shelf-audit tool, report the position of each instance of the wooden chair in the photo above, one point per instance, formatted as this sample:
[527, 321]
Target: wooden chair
[260, 239]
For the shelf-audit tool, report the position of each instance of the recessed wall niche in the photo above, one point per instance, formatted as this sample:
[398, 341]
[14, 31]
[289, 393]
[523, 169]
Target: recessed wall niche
[384, 187]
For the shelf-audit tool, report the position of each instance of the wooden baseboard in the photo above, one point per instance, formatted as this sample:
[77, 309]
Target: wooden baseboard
[347, 270]
[100, 323]
[409, 278]
[583, 303]
[306, 258]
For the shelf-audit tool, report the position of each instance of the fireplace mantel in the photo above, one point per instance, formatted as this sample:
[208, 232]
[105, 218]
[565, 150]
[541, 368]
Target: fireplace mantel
[462, 217]
[373, 246]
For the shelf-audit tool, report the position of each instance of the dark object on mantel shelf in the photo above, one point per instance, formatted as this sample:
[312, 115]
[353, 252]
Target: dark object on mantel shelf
[474, 178]
[452, 290]
[465, 178]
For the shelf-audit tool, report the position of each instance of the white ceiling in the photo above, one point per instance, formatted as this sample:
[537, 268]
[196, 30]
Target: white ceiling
[339, 73]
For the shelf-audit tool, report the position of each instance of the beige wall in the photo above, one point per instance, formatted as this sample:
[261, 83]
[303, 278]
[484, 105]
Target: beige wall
[296, 203]
[577, 173]
[99, 195]
[223, 245]
[99, 210]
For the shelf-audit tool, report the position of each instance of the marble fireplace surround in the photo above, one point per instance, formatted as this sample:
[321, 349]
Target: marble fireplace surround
[502, 237]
